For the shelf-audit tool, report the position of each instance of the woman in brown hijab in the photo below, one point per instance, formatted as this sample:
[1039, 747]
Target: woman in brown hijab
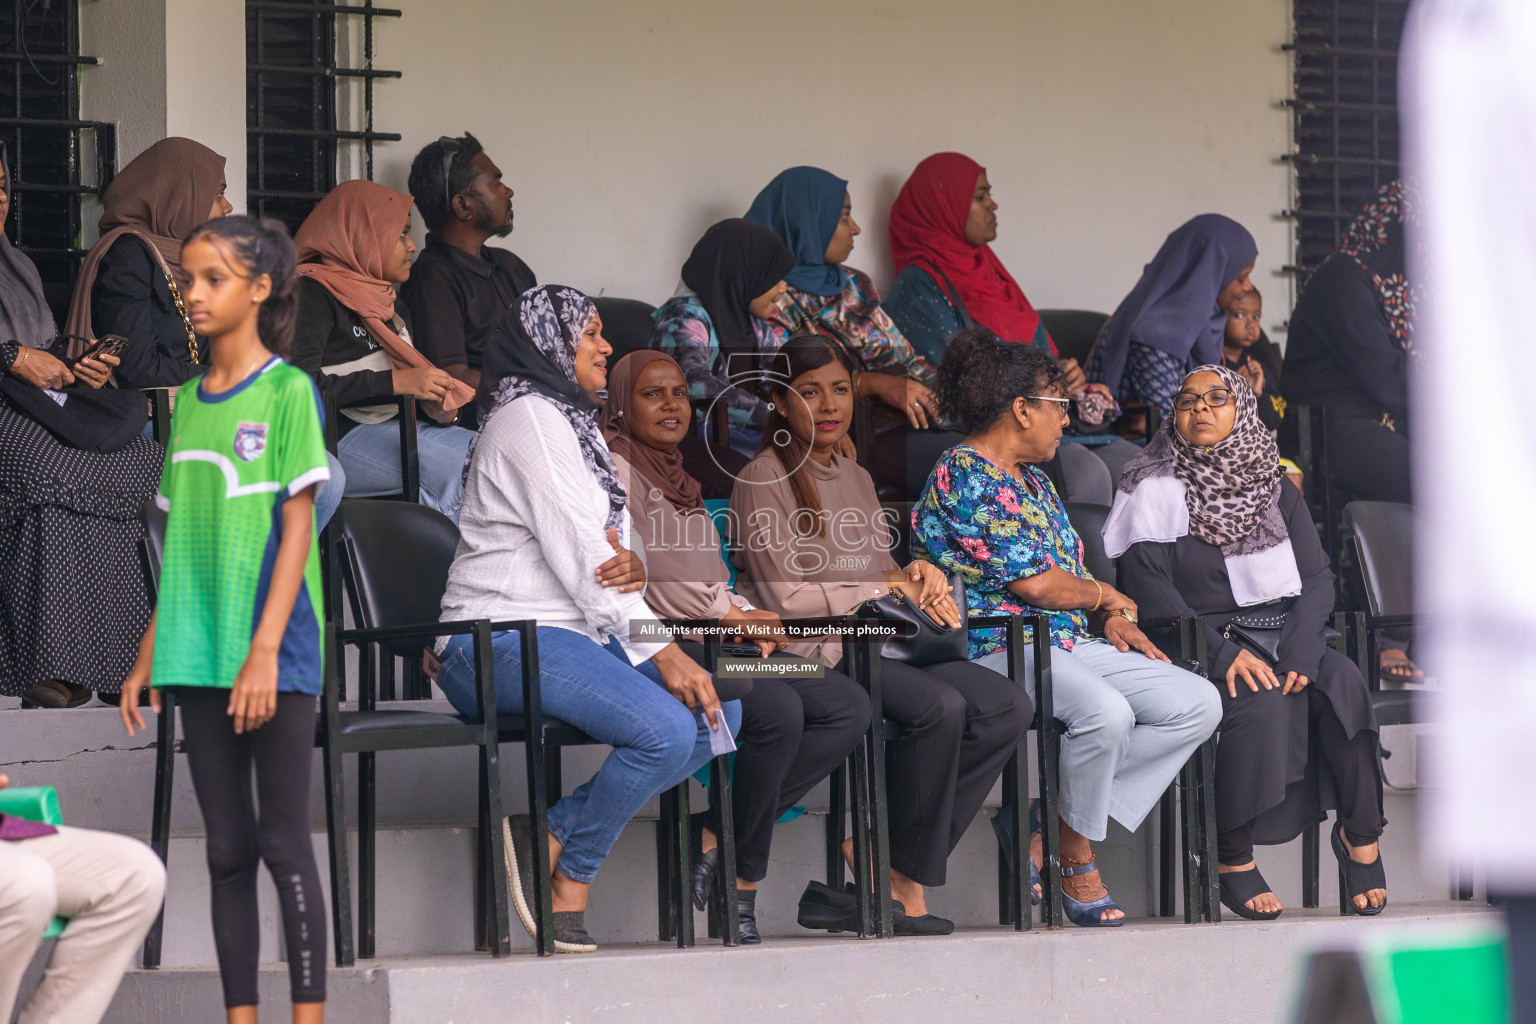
[132, 288]
[354, 335]
[793, 731]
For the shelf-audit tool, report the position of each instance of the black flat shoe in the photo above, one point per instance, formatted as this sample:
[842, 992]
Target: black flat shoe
[517, 844]
[823, 908]
[928, 924]
[746, 917]
[1238, 887]
[703, 867]
[1356, 879]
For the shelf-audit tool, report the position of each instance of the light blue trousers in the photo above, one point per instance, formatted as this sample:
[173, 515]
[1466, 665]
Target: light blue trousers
[1131, 724]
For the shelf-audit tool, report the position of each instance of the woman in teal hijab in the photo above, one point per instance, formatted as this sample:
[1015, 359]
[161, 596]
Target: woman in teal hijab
[810, 209]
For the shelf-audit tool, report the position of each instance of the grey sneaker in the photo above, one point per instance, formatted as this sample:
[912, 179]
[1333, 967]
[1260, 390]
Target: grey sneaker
[570, 925]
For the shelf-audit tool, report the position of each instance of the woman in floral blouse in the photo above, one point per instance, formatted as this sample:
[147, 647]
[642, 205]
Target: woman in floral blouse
[990, 515]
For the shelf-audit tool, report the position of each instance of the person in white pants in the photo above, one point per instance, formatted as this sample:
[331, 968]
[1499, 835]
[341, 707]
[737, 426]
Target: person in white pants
[110, 887]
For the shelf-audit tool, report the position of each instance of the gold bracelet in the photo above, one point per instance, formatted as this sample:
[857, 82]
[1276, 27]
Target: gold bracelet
[1101, 597]
[25, 351]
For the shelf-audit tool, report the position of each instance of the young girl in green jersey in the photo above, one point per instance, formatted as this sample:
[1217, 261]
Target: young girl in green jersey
[237, 631]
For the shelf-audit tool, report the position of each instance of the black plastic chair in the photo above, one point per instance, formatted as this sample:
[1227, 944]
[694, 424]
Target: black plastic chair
[396, 588]
[627, 324]
[1193, 818]
[1381, 542]
[383, 669]
[1074, 331]
[367, 730]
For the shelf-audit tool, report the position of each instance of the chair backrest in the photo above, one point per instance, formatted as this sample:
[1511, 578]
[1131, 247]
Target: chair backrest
[154, 518]
[1073, 330]
[718, 509]
[396, 557]
[1383, 532]
[1088, 520]
[627, 324]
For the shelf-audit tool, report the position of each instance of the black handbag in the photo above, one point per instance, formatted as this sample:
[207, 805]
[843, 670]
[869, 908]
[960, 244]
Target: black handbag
[930, 641]
[98, 420]
[1259, 634]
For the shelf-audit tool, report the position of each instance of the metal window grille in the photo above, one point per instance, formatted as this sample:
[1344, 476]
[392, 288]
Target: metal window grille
[1344, 117]
[56, 158]
[300, 104]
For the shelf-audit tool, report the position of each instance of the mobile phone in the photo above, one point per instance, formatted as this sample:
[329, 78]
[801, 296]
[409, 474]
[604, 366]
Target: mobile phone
[106, 345]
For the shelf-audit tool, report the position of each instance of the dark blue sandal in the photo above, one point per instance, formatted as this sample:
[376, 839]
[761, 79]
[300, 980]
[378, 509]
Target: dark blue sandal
[1089, 915]
[1002, 827]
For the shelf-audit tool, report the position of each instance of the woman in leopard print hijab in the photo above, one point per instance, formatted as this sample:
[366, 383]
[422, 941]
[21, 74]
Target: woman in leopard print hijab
[1223, 493]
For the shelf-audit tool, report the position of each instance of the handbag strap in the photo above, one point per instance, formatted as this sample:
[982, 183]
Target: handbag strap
[966, 322]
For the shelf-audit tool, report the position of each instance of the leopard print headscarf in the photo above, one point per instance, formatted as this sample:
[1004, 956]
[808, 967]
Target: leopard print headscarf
[1230, 498]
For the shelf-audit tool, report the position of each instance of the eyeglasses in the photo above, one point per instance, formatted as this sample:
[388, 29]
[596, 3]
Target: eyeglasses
[1063, 402]
[1214, 399]
[450, 148]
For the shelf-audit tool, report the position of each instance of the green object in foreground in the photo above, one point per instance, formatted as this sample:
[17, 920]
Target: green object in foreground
[1465, 984]
[1392, 977]
[35, 803]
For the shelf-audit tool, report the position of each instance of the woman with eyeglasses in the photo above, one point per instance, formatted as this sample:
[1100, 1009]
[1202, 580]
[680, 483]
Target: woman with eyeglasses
[992, 516]
[1203, 526]
[1176, 317]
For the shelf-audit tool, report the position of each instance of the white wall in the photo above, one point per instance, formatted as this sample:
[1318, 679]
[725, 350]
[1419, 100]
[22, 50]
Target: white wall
[626, 128]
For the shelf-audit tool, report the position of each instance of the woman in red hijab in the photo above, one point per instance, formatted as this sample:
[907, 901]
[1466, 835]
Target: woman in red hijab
[354, 336]
[948, 278]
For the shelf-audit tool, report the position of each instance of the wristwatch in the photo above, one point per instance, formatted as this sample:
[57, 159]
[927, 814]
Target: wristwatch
[1124, 613]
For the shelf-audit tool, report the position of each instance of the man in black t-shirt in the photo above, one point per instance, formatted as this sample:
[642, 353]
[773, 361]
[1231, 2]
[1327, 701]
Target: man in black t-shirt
[460, 288]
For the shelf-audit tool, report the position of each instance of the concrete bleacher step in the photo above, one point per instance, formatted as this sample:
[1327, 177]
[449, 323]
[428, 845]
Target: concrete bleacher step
[427, 829]
[1147, 972]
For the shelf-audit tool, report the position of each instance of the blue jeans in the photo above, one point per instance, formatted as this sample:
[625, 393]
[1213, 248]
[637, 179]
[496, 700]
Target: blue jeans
[371, 454]
[328, 497]
[657, 742]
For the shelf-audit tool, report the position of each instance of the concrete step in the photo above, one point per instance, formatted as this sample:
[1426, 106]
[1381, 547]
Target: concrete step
[1147, 972]
[426, 842]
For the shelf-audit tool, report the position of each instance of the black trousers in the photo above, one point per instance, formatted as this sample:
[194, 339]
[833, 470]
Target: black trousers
[222, 764]
[793, 733]
[1367, 461]
[959, 725]
[1356, 776]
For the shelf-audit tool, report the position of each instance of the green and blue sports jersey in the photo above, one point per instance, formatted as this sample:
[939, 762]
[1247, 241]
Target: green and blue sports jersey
[234, 459]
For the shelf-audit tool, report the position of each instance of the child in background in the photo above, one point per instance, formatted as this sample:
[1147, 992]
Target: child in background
[1246, 350]
[1255, 358]
[237, 630]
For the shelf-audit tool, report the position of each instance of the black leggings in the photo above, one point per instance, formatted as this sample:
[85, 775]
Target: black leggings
[793, 733]
[221, 764]
[1355, 773]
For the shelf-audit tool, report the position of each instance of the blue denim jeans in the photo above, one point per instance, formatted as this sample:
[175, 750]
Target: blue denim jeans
[657, 742]
[371, 454]
[328, 497]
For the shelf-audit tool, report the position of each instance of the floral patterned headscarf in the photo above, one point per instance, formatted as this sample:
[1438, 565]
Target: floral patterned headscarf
[546, 325]
[1377, 243]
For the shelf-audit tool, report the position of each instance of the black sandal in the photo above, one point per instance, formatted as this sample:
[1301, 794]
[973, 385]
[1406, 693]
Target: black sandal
[1356, 879]
[55, 693]
[1238, 887]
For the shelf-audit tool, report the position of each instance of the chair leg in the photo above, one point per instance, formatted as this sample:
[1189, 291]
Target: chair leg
[494, 844]
[367, 870]
[1311, 838]
[666, 856]
[1210, 881]
[720, 796]
[336, 834]
[1167, 865]
[160, 822]
[1013, 897]
[837, 811]
[483, 925]
[880, 842]
[1048, 756]
[1189, 826]
[858, 790]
